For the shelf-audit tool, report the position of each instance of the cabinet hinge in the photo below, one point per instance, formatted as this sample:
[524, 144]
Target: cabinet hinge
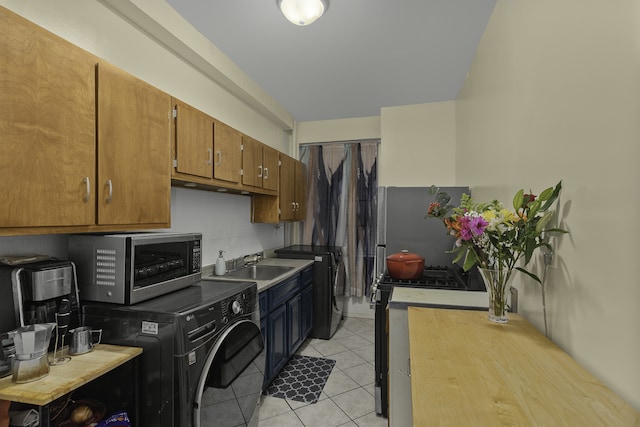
[279, 162]
[241, 147]
[175, 113]
[175, 163]
[241, 172]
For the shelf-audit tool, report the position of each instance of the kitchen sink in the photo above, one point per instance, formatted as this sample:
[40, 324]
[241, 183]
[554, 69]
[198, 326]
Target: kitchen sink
[259, 272]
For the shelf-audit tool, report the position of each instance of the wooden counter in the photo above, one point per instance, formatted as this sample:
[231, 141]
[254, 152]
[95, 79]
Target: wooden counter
[65, 378]
[467, 371]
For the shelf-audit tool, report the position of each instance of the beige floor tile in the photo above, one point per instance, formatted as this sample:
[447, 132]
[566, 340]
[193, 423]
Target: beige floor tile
[327, 348]
[272, 406]
[289, 419]
[372, 420]
[339, 382]
[322, 414]
[347, 359]
[362, 374]
[353, 342]
[367, 352]
[355, 403]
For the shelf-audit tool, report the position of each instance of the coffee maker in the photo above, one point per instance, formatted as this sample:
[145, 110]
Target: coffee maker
[39, 293]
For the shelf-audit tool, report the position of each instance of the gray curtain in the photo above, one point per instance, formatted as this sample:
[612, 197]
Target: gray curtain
[342, 180]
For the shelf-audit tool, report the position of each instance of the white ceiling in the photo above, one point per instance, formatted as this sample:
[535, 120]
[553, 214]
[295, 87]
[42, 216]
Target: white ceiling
[362, 55]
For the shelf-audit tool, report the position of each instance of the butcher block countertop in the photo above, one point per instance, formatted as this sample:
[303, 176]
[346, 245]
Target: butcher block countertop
[67, 377]
[467, 371]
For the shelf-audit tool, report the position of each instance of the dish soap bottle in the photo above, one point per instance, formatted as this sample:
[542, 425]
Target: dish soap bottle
[221, 265]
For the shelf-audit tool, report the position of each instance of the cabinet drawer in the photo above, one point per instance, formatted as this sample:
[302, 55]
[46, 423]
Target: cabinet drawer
[283, 291]
[264, 303]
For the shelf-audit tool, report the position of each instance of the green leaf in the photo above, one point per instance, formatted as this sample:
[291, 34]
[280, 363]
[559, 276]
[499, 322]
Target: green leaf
[546, 194]
[533, 210]
[518, 199]
[544, 220]
[554, 196]
[469, 261]
[533, 276]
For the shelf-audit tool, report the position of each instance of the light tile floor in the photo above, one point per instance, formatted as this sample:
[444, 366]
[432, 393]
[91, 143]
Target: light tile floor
[348, 397]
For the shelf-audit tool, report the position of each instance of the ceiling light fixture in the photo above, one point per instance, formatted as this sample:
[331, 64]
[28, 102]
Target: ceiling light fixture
[303, 12]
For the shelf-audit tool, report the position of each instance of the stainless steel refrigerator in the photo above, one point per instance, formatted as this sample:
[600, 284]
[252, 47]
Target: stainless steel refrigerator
[402, 224]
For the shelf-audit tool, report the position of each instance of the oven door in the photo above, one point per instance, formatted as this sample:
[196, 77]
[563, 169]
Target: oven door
[230, 383]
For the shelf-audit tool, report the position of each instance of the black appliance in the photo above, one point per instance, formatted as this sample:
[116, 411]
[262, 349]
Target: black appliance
[401, 225]
[38, 292]
[327, 276]
[451, 277]
[133, 267]
[203, 360]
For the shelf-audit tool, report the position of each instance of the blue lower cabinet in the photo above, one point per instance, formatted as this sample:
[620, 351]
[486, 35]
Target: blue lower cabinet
[294, 323]
[286, 311]
[277, 346]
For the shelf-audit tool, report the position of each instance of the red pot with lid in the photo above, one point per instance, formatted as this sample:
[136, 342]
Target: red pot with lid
[405, 266]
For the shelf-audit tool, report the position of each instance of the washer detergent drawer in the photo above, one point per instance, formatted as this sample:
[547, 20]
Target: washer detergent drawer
[231, 380]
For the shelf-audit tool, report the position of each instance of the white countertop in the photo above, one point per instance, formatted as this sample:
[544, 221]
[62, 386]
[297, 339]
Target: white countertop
[297, 264]
[402, 297]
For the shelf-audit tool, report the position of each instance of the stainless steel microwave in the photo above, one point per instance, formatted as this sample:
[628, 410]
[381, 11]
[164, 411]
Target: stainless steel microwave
[134, 267]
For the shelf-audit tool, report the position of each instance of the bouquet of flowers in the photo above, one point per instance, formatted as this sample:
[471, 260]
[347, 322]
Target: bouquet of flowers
[495, 238]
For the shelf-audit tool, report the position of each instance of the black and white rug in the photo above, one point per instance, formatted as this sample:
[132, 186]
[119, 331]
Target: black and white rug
[301, 379]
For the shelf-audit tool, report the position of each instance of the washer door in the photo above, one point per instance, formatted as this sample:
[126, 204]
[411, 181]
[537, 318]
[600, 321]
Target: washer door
[231, 382]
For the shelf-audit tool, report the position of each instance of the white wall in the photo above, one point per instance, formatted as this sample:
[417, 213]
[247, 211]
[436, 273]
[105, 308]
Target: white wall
[553, 94]
[418, 145]
[223, 219]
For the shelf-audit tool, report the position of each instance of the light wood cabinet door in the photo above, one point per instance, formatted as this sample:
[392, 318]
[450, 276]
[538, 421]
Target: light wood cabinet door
[270, 168]
[251, 162]
[287, 188]
[194, 140]
[47, 128]
[227, 147]
[134, 150]
[300, 197]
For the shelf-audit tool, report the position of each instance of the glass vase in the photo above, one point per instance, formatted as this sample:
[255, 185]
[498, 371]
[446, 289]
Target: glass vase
[498, 284]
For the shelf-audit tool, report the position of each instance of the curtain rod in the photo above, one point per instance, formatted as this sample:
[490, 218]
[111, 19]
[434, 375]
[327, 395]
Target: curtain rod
[353, 141]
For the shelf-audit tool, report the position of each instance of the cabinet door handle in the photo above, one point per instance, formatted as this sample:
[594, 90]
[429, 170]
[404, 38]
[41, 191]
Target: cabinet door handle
[210, 156]
[219, 153]
[110, 194]
[260, 173]
[87, 183]
[266, 173]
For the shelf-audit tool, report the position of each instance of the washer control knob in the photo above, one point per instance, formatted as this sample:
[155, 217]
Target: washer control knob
[236, 308]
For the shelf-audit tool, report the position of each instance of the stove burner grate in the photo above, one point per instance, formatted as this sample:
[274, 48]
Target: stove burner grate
[436, 277]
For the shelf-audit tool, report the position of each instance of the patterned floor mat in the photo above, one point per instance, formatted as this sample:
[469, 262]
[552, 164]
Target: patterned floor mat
[302, 379]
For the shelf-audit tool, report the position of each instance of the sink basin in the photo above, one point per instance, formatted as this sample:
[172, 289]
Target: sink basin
[259, 272]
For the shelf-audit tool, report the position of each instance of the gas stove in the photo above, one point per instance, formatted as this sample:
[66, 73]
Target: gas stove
[437, 277]
[451, 277]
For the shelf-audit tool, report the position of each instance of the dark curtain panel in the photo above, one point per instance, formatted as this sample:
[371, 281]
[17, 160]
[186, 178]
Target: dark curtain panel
[342, 205]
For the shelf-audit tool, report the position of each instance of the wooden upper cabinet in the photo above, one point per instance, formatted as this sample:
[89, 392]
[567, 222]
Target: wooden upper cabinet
[134, 150]
[292, 189]
[227, 152]
[300, 191]
[47, 128]
[194, 140]
[287, 188]
[270, 168]
[290, 203]
[260, 164]
[251, 162]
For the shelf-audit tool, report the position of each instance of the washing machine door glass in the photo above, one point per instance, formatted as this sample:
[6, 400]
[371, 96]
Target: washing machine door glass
[231, 382]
